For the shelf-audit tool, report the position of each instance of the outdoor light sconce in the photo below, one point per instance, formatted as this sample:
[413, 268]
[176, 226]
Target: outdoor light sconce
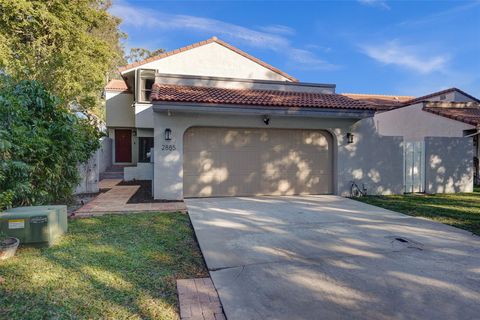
[349, 137]
[266, 119]
[168, 134]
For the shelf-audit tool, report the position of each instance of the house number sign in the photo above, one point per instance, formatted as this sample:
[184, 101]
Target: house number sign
[168, 147]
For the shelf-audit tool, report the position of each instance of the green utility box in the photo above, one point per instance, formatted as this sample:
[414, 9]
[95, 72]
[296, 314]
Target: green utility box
[36, 225]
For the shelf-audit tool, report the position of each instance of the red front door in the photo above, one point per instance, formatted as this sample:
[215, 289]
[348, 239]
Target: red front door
[123, 145]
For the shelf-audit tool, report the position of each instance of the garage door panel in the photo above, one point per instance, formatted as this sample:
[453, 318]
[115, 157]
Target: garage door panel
[232, 162]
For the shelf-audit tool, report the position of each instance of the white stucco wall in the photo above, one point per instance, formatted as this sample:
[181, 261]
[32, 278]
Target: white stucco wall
[89, 176]
[414, 124]
[90, 171]
[119, 110]
[453, 96]
[449, 165]
[142, 171]
[141, 132]
[450, 96]
[105, 154]
[459, 97]
[213, 60]
[143, 115]
[373, 160]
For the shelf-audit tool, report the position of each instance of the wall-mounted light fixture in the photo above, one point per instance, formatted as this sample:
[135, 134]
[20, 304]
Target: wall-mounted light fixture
[266, 119]
[349, 137]
[134, 133]
[168, 134]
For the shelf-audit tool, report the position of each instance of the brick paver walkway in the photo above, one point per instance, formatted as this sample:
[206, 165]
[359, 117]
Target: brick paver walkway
[199, 300]
[115, 201]
[108, 183]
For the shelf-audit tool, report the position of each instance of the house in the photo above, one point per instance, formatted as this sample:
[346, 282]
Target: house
[224, 123]
[436, 124]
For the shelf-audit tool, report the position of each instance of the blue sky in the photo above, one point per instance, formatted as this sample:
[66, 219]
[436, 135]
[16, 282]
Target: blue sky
[366, 46]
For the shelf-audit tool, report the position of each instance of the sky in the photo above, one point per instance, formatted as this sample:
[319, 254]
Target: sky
[364, 46]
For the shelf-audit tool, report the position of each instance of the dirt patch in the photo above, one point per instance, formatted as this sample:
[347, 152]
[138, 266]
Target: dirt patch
[144, 193]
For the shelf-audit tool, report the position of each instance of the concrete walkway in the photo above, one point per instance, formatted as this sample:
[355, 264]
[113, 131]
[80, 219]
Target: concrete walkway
[326, 257]
[115, 201]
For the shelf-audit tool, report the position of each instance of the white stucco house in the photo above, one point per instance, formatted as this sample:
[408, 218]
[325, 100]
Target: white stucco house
[210, 120]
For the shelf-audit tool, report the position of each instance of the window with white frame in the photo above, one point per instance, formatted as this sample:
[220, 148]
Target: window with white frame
[146, 79]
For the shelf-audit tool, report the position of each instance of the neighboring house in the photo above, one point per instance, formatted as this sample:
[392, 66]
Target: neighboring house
[437, 121]
[382, 102]
[223, 123]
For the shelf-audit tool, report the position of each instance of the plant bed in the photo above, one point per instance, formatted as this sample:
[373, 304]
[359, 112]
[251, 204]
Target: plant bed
[144, 193]
[8, 247]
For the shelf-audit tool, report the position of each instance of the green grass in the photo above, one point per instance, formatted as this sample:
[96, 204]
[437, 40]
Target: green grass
[460, 210]
[110, 267]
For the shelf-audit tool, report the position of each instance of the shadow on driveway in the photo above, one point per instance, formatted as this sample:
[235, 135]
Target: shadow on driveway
[324, 257]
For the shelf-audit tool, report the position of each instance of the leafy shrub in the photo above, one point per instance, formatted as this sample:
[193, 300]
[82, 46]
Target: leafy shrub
[41, 144]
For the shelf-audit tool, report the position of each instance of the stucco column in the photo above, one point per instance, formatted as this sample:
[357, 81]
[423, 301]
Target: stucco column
[168, 161]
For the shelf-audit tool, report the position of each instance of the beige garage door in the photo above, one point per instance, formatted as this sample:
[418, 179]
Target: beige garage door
[243, 162]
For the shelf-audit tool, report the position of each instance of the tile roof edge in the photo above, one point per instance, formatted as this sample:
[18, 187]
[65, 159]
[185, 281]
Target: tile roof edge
[157, 86]
[433, 94]
[110, 87]
[452, 117]
[376, 95]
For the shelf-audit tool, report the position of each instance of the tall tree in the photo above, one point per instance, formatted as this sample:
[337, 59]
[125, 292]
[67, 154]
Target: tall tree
[139, 54]
[69, 46]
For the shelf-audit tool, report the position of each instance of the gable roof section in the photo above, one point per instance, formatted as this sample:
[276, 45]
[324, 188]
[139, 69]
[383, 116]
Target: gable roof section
[117, 85]
[250, 97]
[202, 43]
[382, 102]
[431, 95]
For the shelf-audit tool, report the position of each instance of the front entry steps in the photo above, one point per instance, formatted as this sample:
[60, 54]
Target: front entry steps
[113, 172]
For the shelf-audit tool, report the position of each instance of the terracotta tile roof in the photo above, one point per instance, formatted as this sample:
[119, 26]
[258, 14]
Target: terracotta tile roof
[431, 95]
[116, 85]
[469, 115]
[264, 98]
[199, 44]
[379, 100]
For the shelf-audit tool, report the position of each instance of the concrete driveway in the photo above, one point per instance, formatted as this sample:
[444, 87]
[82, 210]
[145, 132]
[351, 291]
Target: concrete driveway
[327, 257]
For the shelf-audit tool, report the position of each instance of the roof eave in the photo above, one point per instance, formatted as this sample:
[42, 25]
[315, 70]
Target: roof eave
[210, 108]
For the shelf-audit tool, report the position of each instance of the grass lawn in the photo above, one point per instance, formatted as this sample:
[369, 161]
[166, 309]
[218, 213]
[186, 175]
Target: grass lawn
[110, 267]
[460, 210]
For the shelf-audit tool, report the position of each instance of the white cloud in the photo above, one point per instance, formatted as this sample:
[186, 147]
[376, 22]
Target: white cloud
[442, 16]
[411, 57]
[306, 59]
[273, 37]
[278, 29]
[375, 3]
